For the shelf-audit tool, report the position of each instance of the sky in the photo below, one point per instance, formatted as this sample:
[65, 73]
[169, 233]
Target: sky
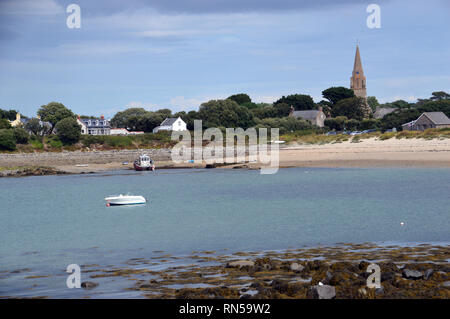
[178, 54]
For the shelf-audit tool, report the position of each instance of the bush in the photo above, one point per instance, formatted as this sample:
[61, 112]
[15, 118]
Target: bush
[4, 123]
[336, 123]
[7, 140]
[286, 124]
[37, 144]
[68, 130]
[54, 141]
[21, 135]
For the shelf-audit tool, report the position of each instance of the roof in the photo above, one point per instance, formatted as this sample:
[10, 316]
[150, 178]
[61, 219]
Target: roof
[307, 115]
[382, 111]
[102, 123]
[169, 121]
[437, 118]
[357, 66]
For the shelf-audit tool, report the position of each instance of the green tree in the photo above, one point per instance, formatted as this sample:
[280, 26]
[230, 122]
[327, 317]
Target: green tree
[352, 108]
[240, 98]
[439, 96]
[298, 101]
[68, 130]
[265, 112]
[4, 124]
[226, 113]
[373, 103]
[337, 123]
[20, 135]
[282, 109]
[34, 126]
[122, 119]
[284, 124]
[8, 114]
[7, 140]
[54, 112]
[335, 94]
[399, 104]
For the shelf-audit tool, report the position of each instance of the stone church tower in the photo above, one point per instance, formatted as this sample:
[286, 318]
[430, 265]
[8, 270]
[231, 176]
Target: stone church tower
[358, 81]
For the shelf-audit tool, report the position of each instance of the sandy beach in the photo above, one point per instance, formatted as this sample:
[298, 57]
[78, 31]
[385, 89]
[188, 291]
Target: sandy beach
[365, 153]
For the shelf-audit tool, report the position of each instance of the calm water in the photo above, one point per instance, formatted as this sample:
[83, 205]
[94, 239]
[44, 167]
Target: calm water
[49, 222]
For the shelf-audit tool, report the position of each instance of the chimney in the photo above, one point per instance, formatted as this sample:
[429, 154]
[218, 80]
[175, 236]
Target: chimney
[291, 112]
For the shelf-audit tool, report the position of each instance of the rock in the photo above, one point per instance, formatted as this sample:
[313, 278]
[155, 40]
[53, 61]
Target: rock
[379, 291]
[387, 276]
[280, 285]
[240, 264]
[321, 292]
[296, 267]
[412, 274]
[89, 285]
[363, 265]
[428, 273]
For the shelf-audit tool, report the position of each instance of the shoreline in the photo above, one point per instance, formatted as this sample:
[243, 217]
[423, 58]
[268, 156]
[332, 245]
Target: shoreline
[418, 270]
[367, 153]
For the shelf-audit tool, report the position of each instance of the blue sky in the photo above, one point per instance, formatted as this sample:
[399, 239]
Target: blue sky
[177, 54]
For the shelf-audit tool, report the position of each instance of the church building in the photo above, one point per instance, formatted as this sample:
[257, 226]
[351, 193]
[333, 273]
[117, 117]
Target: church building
[358, 81]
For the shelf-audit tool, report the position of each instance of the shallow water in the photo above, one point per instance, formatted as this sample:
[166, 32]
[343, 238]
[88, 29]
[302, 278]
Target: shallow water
[49, 222]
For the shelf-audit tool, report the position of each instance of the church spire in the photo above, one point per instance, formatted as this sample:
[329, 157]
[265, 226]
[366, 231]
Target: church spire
[358, 80]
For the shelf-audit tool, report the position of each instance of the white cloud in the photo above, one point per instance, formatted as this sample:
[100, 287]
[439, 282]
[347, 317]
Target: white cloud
[31, 7]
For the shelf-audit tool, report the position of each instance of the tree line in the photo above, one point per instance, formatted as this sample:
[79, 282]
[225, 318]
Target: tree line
[343, 110]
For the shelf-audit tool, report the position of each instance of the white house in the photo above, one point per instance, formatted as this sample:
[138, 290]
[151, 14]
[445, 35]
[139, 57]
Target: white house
[94, 126]
[171, 124]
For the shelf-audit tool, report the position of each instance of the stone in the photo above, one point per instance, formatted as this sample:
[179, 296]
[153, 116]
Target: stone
[387, 276]
[428, 273]
[89, 285]
[379, 291]
[296, 267]
[412, 274]
[322, 292]
[280, 285]
[240, 264]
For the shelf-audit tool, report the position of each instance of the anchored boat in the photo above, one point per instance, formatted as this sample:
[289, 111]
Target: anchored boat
[144, 163]
[125, 200]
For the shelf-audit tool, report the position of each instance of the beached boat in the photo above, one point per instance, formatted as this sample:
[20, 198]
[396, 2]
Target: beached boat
[125, 200]
[144, 163]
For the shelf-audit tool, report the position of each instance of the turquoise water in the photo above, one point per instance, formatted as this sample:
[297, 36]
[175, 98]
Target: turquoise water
[48, 222]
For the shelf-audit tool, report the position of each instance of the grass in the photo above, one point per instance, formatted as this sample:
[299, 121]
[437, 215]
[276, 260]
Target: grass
[163, 140]
[319, 139]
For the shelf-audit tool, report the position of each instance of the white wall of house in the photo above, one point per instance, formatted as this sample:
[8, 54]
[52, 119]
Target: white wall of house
[179, 125]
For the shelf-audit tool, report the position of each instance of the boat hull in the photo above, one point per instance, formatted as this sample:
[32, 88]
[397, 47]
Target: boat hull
[141, 168]
[125, 200]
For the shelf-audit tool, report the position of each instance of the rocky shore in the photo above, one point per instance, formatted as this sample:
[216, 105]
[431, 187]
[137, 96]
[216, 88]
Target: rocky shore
[31, 171]
[332, 272]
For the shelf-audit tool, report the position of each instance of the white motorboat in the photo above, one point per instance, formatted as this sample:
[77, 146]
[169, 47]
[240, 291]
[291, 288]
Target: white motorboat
[125, 200]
